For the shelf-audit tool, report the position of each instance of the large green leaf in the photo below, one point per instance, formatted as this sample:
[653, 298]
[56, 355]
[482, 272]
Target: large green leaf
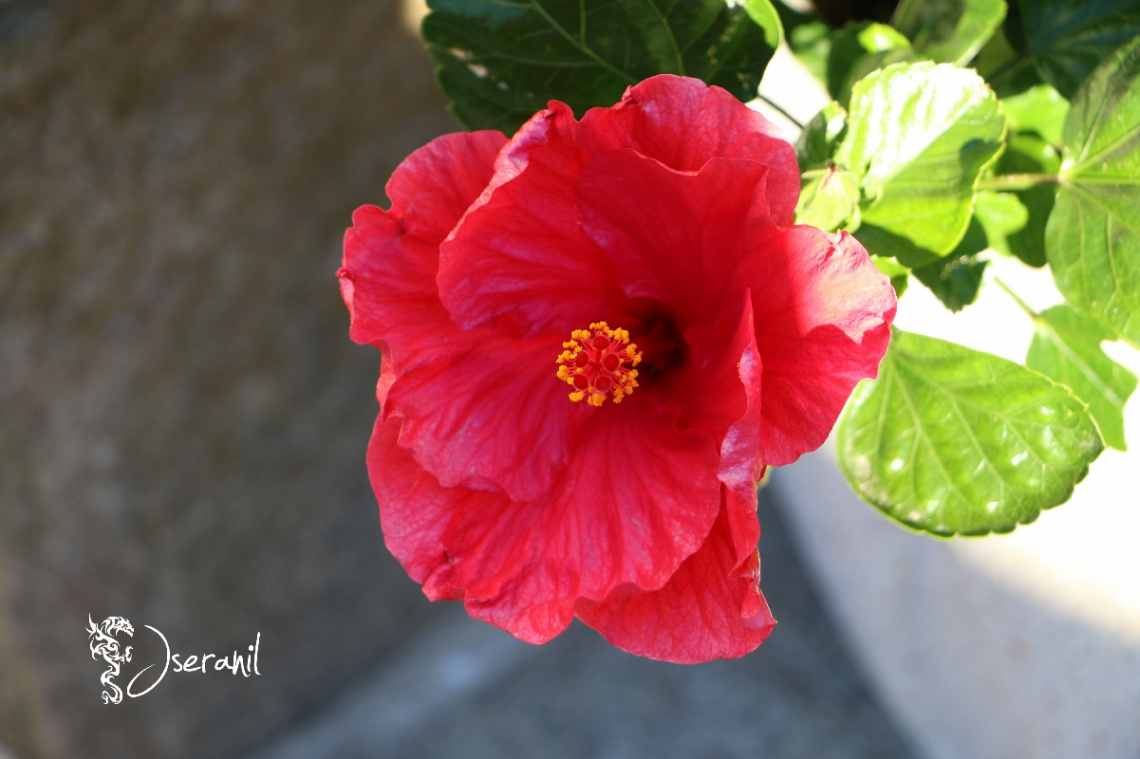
[873, 62]
[500, 61]
[1067, 39]
[949, 31]
[952, 441]
[1092, 239]
[1066, 347]
[919, 135]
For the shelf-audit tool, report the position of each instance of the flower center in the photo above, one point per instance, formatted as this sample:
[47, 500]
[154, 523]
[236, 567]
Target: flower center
[597, 361]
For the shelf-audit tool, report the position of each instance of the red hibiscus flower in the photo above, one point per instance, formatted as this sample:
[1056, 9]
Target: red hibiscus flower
[595, 336]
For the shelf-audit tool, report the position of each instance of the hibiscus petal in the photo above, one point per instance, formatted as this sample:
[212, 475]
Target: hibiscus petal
[520, 252]
[741, 461]
[484, 410]
[470, 416]
[712, 608]
[684, 123]
[640, 502]
[387, 281]
[674, 237]
[434, 186]
[391, 257]
[638, 499]
[822, 314]
[415, 510]
[719, 391]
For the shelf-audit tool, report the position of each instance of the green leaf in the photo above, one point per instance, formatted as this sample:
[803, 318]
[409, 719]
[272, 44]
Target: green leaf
[500, 61]
[830, 196]
[763, 14]
[955, 279]
[1001, 215]
[1029, 154]
[821, 136]
[1039, 109]
[1066, 347]
[919, 135]
[949, 31]
[1067, 39]
[1004, 68]
[872, 62]
[829, 201]
[956, 442]
[1092, 239]
[850, 45]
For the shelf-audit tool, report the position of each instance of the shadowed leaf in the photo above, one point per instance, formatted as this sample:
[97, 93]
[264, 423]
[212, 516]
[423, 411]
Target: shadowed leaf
[1067, 39]
[949, 31]
[500, 62]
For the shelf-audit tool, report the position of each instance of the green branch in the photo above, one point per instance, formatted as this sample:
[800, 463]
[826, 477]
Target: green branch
[1016, 181]
[1024, 306]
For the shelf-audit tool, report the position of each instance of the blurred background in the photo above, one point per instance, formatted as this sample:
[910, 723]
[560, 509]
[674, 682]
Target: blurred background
[184, 423]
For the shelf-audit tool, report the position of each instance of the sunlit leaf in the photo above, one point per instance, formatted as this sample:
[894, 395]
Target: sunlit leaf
[829, 201]
[1066, 347]
[952, 441]
[1092, 239]
[919, 135]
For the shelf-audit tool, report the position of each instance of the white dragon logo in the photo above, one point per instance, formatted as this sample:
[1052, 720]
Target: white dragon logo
[103, 644]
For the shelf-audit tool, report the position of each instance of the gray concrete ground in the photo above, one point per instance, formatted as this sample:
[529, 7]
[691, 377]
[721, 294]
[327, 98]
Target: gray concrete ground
[466, 689]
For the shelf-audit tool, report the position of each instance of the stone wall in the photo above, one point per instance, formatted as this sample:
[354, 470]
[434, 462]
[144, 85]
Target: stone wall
[182, 417]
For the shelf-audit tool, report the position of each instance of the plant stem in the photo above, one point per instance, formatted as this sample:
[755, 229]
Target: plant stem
[779, 109]
[1024, 306]
[1016, 181]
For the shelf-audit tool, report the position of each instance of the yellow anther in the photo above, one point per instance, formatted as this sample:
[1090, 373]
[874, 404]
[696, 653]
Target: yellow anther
[598, 363]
